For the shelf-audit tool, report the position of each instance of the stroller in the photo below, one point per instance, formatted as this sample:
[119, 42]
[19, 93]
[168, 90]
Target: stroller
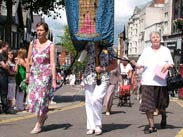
[124, 91]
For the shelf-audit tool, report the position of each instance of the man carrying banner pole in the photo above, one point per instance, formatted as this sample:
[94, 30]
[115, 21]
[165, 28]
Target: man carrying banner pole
[91, 26]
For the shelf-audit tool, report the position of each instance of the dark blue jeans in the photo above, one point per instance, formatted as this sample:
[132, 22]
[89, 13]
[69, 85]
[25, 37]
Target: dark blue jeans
[4, 91]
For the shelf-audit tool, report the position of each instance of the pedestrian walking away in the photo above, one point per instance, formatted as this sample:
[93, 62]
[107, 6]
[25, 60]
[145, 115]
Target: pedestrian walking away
[154, 86]
[115, 79]
[40, 75]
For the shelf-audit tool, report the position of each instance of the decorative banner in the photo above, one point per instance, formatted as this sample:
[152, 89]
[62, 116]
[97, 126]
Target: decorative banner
[90, 20]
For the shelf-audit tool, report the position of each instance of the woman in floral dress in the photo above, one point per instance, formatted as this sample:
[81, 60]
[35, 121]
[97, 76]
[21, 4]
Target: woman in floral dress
[40, 74]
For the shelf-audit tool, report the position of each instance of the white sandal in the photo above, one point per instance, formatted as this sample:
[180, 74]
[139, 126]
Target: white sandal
[98, 131]
[90, 132]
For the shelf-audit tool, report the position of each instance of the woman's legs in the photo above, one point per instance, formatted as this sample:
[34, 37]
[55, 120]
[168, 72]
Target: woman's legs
[162, 104]
[37, 127]
[98, 95]
[39, 124]
[109, 105]
[93, 100]
[108, 99]
[163, 118]
[150, 118]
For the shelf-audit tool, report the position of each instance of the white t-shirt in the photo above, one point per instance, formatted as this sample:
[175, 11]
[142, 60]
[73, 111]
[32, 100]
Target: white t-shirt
[125, 69]
[149, 59]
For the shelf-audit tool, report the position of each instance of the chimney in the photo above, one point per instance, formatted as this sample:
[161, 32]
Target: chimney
[159, 1]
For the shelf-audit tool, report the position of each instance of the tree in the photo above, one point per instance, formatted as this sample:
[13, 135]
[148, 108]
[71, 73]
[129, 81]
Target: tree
[47, 7]
[68, 45]
[67, 42]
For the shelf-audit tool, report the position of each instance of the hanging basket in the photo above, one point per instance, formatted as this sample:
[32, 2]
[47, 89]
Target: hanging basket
[178, 23]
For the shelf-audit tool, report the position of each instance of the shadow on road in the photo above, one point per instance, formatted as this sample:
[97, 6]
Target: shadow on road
[56, 126]
[60, 99]
[111, 127]
[159, 128]
[116, 112]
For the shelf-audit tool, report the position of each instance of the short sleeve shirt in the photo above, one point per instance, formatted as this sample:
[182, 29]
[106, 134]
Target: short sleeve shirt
[149, 59]
[125, 69]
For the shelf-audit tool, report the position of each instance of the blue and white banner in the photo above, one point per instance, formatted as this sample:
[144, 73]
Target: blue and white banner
[90, 20]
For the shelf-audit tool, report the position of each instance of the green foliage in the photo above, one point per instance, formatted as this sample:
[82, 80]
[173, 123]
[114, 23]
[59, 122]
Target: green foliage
[67, 42]
[46, 7]
[68, 45]
[178, 23]
[78, 67]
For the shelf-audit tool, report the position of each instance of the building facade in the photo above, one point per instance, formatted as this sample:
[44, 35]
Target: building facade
[154, 16]
[20, 26]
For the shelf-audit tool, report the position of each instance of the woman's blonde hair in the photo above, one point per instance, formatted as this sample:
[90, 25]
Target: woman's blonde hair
[22, 53]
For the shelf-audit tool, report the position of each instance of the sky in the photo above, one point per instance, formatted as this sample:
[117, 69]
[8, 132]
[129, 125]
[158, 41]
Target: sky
[123, 10]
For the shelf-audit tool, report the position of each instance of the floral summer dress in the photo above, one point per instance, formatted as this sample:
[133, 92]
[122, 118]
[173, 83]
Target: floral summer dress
[40, 80]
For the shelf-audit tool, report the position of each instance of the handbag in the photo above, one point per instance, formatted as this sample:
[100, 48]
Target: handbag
[23, 85]
[174, 80]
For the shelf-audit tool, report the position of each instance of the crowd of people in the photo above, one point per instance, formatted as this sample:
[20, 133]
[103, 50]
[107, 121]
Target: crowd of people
[37, 68]
[28, 79]
[150, 87]
[12, 72]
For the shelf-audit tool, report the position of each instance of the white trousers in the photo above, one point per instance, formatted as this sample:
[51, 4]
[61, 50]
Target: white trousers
[93, 103]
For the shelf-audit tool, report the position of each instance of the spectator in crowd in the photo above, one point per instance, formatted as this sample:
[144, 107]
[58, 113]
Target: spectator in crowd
[41, 75]
[4, 69]
[21, 63]
[11, 78]
[72, 79]
[153, 86]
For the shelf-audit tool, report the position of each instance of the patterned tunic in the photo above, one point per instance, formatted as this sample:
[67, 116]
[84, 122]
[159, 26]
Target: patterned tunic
[105, 60]
[40, 80]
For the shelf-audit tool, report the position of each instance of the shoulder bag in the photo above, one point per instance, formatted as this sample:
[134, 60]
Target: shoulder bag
[174, 80]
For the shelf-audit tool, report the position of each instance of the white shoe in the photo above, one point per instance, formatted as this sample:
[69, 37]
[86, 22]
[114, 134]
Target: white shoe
[98, 131]
[90, 132]
[53, 103]
[107, 113]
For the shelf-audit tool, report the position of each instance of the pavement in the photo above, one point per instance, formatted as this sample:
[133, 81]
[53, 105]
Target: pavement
[65, 97]
[67, 118]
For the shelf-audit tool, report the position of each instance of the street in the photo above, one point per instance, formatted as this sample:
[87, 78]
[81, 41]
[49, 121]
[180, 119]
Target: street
[67, 119]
